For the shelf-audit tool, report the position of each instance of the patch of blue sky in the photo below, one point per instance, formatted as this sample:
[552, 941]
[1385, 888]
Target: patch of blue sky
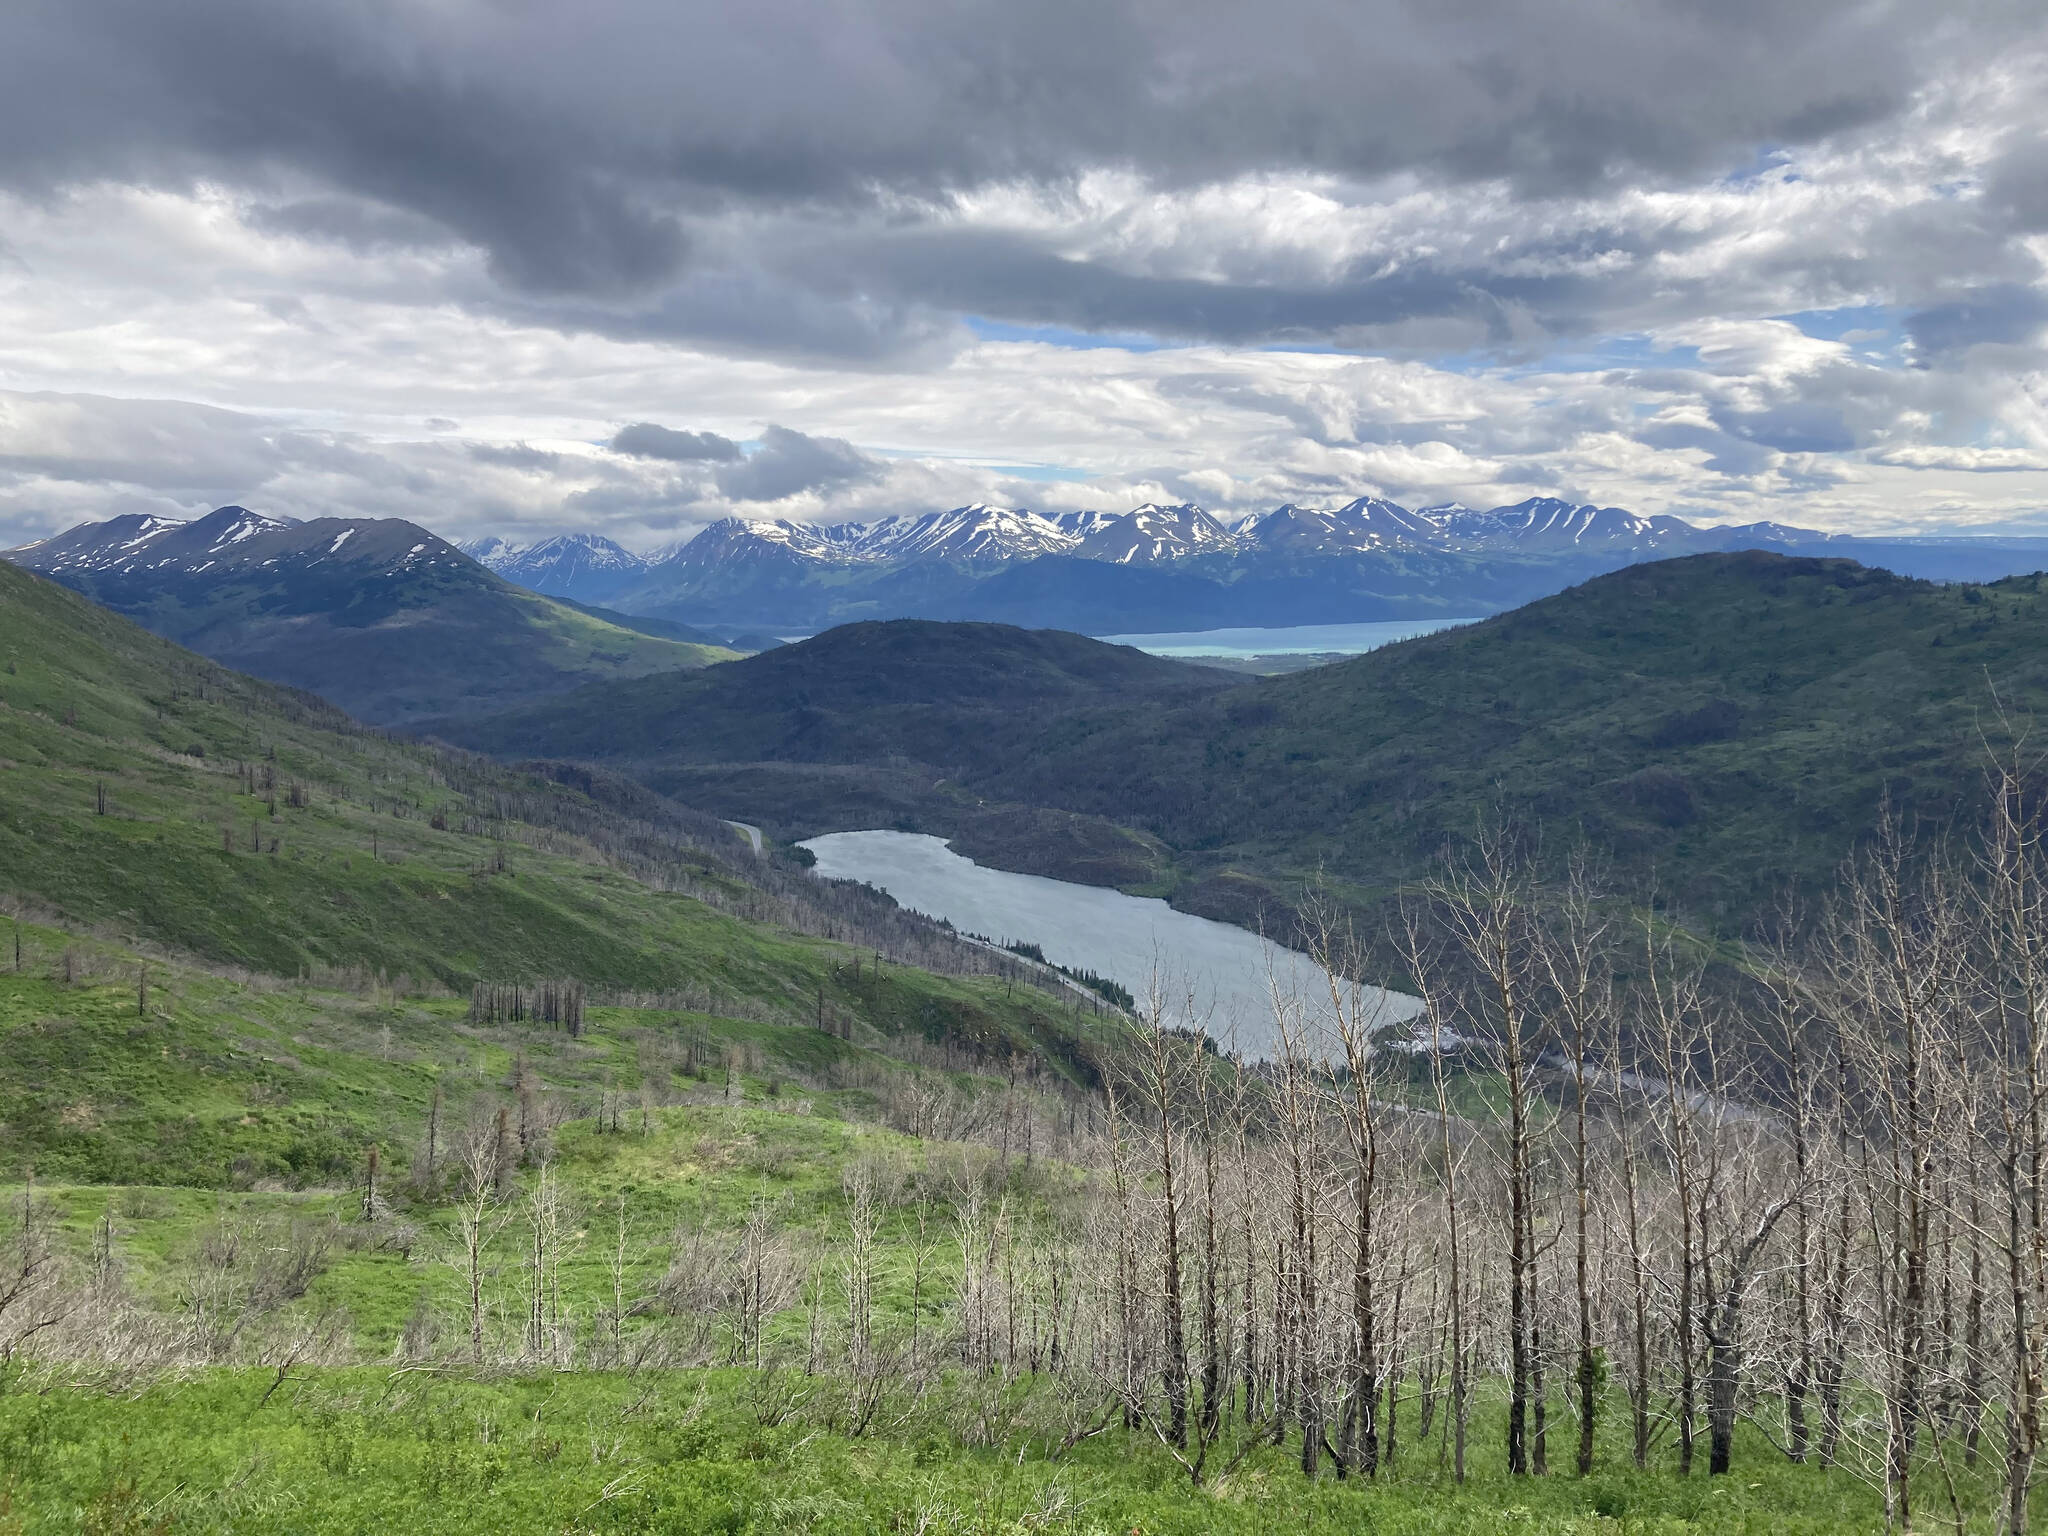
[1578, 354]
[1048, 472]
[1039, 471]
[1873, 326]
[1629, 350]
[1765, 160]
[1061, 336]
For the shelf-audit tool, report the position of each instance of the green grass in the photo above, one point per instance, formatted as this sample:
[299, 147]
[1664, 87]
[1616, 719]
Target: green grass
[370, 1449]
[232, 1080]
[200, 847]
[707, 1163]
[403, 860]
[435, 1446]
[713, 1448]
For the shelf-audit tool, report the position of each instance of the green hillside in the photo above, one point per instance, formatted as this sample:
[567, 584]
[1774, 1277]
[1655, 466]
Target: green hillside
[147, 792]
[1724, 724]
[962, 698]
[1728, 722]
[377, 615]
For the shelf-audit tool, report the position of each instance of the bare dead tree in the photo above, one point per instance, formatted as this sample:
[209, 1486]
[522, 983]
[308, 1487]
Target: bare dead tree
[1165, 1074]
[478, 1221]
[2013, 918]
[1673, 1004]
[33, 1299]
[1355, 1015]
[1297, 1278]
[1580, 973]
[1893, 956]
[547, 1222]
[1484, 904]
[1437, 1014]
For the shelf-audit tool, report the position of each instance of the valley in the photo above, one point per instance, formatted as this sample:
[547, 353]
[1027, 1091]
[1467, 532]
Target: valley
[1723, 725]
[585, 1110]
[897, 769]
[1208, 976]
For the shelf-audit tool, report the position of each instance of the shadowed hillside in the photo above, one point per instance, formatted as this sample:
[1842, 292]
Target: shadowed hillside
[962, 699]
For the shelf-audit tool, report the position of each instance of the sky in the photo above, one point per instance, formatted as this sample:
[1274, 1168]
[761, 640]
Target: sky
[629, 266]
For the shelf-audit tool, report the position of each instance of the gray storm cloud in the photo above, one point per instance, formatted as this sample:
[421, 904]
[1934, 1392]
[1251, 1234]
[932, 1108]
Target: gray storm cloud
[647, 440]
[610, 154]
[788, 463]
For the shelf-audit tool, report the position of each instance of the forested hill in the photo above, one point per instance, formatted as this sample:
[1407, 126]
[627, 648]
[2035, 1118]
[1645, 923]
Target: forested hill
[963, 699]
[1726, 722]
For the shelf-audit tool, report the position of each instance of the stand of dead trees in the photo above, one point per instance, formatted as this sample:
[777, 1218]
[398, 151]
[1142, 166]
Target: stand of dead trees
[1582, 1202]
[542, 1002]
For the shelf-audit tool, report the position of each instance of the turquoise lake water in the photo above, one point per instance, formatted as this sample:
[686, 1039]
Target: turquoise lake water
[1300, 640]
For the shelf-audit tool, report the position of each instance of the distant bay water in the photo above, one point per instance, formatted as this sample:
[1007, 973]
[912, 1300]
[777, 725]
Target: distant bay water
[1297, 640]
[1231, 971]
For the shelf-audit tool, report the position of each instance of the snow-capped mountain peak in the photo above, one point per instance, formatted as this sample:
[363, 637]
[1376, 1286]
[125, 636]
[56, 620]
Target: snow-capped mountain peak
[585, 566]
[1153, 533]
[490, 550]
[977, 532]
[235, 540]
[225, 526]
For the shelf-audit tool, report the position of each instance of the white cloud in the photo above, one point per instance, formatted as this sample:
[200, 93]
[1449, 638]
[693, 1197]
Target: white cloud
[297, 342]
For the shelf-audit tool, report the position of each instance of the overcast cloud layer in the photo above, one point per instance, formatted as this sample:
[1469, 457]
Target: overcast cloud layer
[634, 264]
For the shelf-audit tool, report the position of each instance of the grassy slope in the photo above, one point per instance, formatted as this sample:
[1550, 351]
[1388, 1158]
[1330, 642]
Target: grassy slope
[240, 1097]
[359, 1448]
[230, 1081]
[184, 750]
[684, 1452]
[89, 701]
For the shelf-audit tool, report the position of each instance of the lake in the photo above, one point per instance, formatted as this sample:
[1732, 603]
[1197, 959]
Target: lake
[1093, 928]
[1299, 640]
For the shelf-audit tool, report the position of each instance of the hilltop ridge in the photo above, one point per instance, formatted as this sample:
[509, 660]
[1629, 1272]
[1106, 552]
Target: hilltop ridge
[379, 615]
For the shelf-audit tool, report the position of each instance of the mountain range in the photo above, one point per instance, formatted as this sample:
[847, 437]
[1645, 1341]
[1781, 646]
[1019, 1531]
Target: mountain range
[378, 615]
[1164, 568]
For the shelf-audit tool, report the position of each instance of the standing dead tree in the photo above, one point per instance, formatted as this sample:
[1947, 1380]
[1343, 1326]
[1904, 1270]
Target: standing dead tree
[478, 1221]
[1355, 1017]
[1483, 902]
[1891, 963]
[1579, 970]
